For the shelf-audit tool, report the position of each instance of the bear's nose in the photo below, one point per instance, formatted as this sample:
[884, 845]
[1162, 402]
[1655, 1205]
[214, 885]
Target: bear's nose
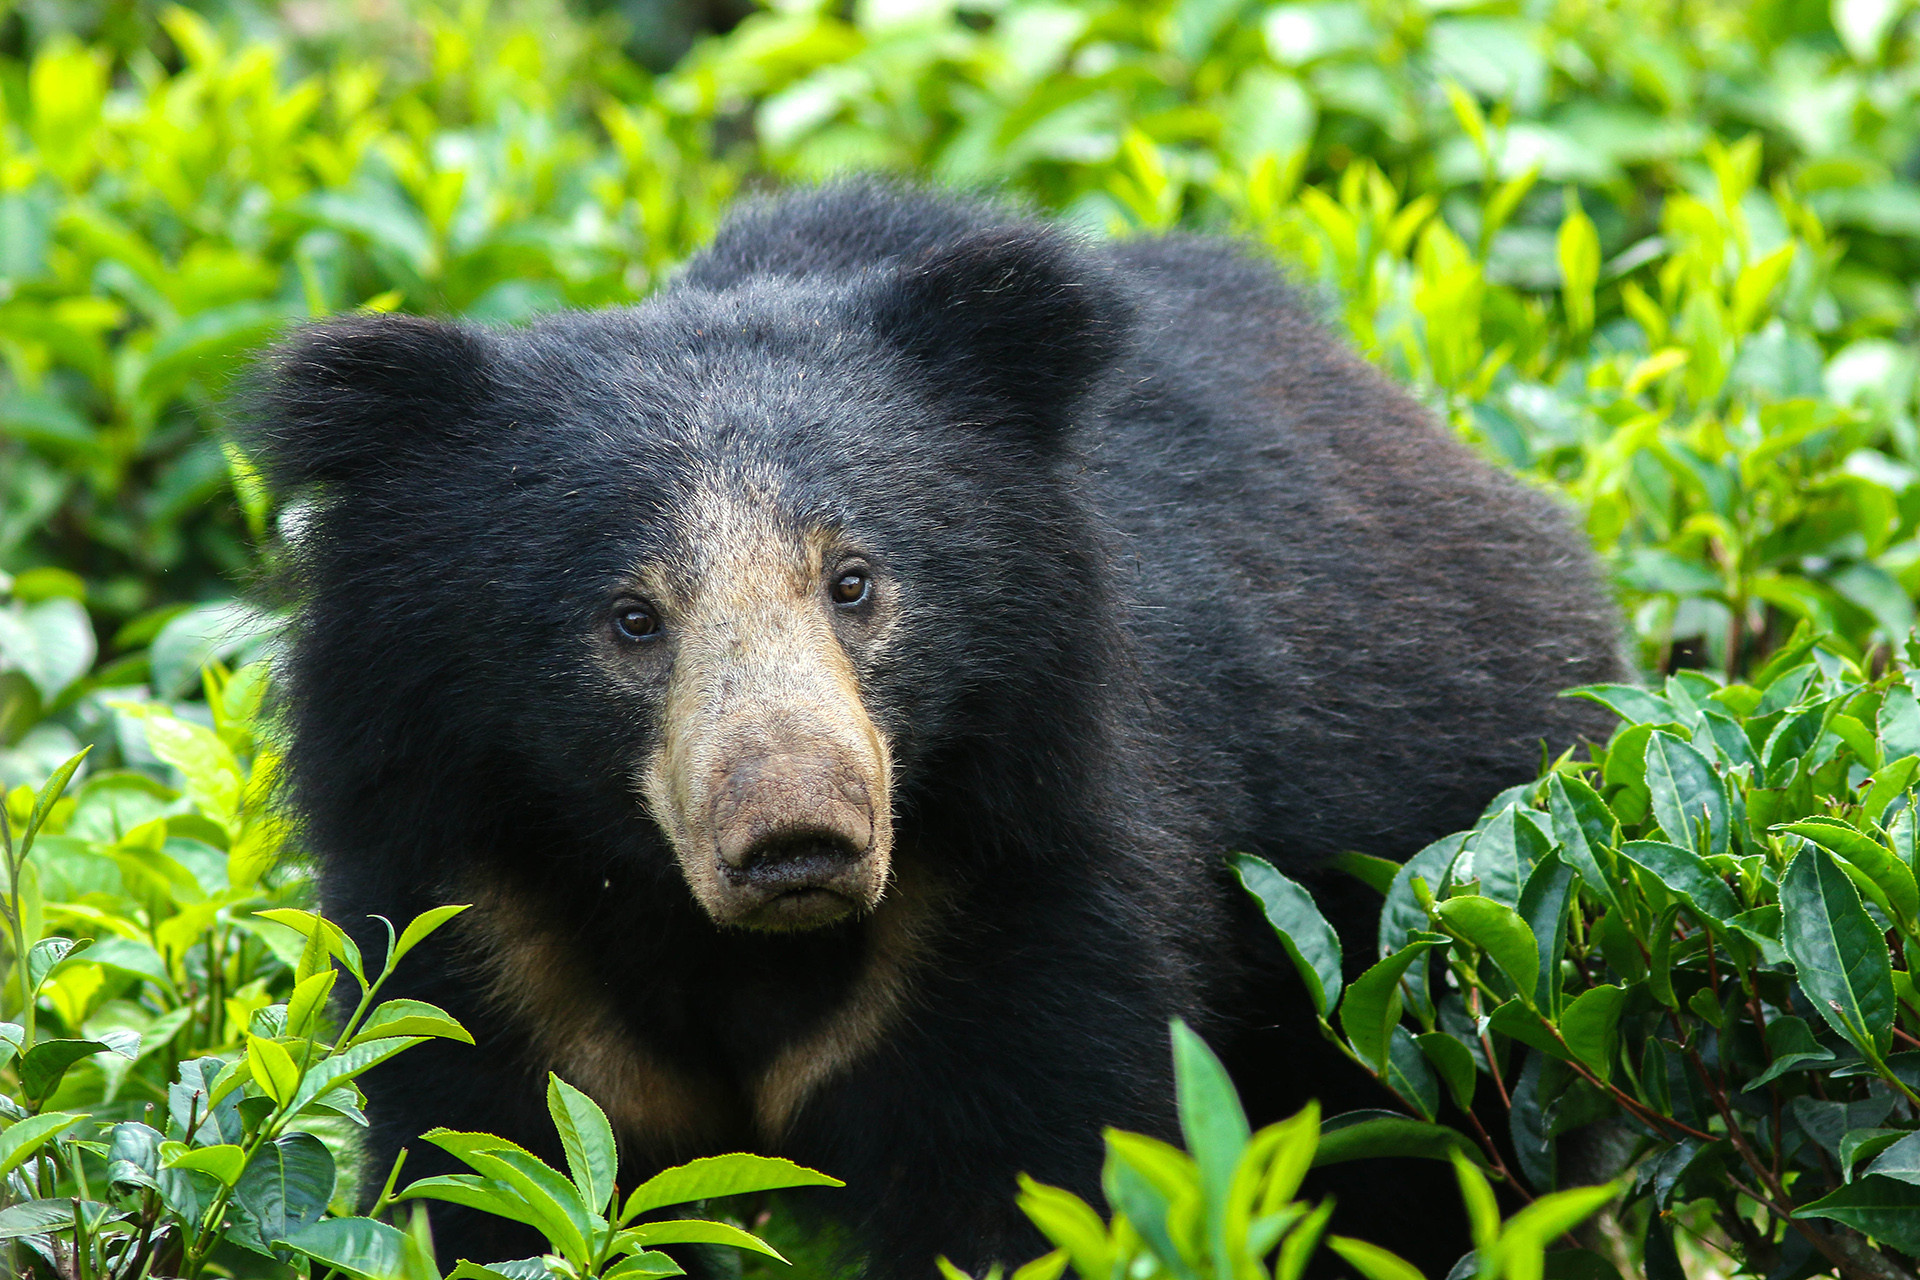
[786, 862]
[795, 817]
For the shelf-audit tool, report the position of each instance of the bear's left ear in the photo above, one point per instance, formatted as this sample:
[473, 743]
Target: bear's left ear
[1019, 316]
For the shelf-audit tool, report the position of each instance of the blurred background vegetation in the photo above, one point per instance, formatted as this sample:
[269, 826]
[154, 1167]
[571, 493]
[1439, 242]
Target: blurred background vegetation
[1658, 255]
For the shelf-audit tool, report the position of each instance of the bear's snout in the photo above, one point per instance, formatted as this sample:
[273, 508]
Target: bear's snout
[793, 835]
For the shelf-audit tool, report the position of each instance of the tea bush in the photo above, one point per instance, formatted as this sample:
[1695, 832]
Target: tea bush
[1658, 258]
[177, 1090]
[1688, 952]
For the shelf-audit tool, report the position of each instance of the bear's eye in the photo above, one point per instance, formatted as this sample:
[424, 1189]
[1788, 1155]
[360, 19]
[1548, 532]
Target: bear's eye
[636, 621]
[850, 587]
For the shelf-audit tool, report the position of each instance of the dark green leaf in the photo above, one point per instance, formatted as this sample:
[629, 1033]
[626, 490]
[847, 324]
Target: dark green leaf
[1376, 873]
[1308, 938]
[1792, 1046]
[1885, 1208]
[1366, 1135]
[1499, 931]
[1840, 955]
[1590, 1025]
[1501, 854]
[1900, 1161]
[286, 1185]
[1402, 913]
[1372, 1006]
[1686, 793]
[1894, 879]
[1408, 1075]
[1685, 874]
[1453, 1062]
[1543, 905]
[360, 1247]
[1584, 826]
[42, 1066]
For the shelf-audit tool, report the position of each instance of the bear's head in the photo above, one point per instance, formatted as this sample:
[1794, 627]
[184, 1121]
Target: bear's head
[722, 573]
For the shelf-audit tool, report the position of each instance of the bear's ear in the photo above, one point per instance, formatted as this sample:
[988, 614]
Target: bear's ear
[345, 398]
[1017, 315]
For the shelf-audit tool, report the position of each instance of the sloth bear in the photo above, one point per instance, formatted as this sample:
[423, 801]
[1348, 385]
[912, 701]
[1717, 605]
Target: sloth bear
[837, 683]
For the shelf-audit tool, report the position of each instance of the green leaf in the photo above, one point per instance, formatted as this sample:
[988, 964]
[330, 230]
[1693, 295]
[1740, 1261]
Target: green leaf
[273, 1067]
[1885, 1208]
[1376, 873]
[43, 1066]
[1372, 1006]
[648, 1262]
[1901, 1161]
[1892, 877]
[1888, 785]
[696, 1231]
[1899, 723]
[1631, 703]
[43, 801]
[1543, 905]
[362, 1248]
[1590, 1025]
[1371, 1261]
[714, 1176]
[285, 1187]
[1792, 1047]
[224, 1161]
[410, 1018]
[1584, 826]
[1864, 1144]
[1685, 874]
[1501, 854]
[24, 1137]
[587, 1139]
[1069, 1223]
[1453, 1062]
[1367, 1135]
[1499, 931]
[1214, 1125]
[1310, 941]
[419, 929]
[559, 1212]
[1408, 1075]
[1550, 1217]
[1840, 955]
[1402, 914]
[474, 1192]
[338, 1068]
[1660, 961]
[39, 1217]
[305, 923]
[1685, 792]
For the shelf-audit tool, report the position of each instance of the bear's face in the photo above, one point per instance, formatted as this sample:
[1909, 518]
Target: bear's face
[765, 770]
[701, 557]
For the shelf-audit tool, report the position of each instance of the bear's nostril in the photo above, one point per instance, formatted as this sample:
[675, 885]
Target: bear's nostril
[788, 861]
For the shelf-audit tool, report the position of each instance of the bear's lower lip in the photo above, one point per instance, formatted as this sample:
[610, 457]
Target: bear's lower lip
[809, 908]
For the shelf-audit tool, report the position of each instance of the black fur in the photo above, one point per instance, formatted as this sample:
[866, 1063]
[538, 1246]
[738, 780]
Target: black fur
[1186, 577]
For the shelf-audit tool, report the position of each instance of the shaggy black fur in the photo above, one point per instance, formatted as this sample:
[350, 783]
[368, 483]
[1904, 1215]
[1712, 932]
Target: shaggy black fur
[1183, 575]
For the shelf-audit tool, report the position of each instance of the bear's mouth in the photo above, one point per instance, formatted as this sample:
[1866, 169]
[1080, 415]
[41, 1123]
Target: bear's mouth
[799, 909]
[797, 880]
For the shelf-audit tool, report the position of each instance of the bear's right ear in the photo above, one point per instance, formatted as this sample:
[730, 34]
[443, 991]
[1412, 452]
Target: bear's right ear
[345, 398]
[1019, 316]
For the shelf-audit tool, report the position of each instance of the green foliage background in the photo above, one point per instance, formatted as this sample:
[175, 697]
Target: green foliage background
[1657, 255]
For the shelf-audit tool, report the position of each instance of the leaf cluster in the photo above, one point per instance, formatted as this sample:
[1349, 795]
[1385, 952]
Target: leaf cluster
[1696, 940]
